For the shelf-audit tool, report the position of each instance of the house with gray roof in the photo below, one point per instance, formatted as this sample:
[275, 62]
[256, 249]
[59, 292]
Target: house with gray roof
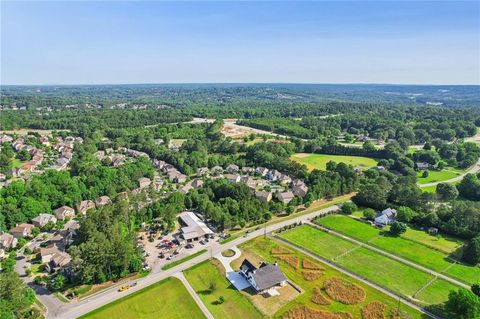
[263, 278]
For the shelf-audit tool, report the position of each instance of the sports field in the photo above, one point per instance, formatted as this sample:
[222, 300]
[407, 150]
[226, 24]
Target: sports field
[429, 251]
[159, 301]
[210, 274]
[270, 250]
[319, 161]
[382, 270]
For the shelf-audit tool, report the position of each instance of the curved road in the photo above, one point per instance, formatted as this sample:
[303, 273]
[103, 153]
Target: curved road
[473, 170]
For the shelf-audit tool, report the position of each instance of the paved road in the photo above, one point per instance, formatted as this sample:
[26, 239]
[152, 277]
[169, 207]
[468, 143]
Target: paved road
[364, 280]
[194, 295]
[395, 257]
[473, 170]
[75, 309]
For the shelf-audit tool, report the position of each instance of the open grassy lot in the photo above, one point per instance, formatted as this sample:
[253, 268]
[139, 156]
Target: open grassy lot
[365, 232]
[415, 245]
[236, 305]
[160, 300]
[331, 246]
[260, 249]
[319, 161]
[349, 226]
[437, 176]
[382, 270]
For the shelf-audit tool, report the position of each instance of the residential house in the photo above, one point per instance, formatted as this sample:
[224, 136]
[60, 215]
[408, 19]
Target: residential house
[102, 201]
[273, 175]
[158, 184]
[180, 178]
[64, 212]
[422, 166]
[386, 217]
[232, 168]
[250, 182]
[84, 206]
[202, 171]
[263, 196]
[186, 188]
[217, 170]
[285, 179]
[22, 230]
[47, 253]
[144, 182]
[5, 139]
[285, 197]
[247, 170]
[262, 171]
[59, 260]
[3, 177]
[2, 254]
[300, 190]
[43, 219]
[233, 178]
[265, 278]
[197, 183]
[7, 241]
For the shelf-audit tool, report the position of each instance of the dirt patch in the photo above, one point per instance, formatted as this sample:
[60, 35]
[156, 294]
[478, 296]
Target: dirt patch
[344, 292]
[291, 260]
[374, 310]
[270, 305]
[319, 298]
[280, 251]
[307, 264]
[311, 275]
[309, 313]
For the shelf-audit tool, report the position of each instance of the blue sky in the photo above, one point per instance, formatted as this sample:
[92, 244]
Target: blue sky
[309, 42]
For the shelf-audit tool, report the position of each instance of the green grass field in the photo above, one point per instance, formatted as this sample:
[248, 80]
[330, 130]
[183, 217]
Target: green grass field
[319, 161]
[415, 245]
[158, 301]
[260, 248]
[181, 261]
[382, 270]
[437, 176]
[236, 305]
[16, 163]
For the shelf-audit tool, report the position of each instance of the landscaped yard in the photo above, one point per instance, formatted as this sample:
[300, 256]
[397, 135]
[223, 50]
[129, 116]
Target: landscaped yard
[315, 296]
[382, 270]
[415, 245]
[209, 274]
[166, 299]
[319, 161]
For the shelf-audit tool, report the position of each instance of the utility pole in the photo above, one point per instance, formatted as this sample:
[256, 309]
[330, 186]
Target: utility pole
[265, 230]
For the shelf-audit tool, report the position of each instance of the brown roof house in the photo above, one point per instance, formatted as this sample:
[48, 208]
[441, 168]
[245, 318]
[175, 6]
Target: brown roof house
[64, 212]
[84, 206]
[7, 241]
[285, 197]
[102, 201]
[263, 196]
[43, 219]
[300, 190]
[22, 230]
[144, 182]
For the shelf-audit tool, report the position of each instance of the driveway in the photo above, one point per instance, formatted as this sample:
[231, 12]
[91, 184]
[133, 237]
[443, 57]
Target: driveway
[235, 277]
[473, 170]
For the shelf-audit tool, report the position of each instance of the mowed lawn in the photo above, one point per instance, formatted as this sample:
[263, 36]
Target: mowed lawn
[157, 301]
[330, 246]
[319, 161]
[437, 176]
[236, 305]
[429, 251]
[260, 249]
[382, 270]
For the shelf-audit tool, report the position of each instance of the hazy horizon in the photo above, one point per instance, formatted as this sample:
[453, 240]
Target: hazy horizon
[95, 43]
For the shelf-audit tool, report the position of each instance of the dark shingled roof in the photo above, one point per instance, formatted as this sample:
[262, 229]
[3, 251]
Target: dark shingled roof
[268, 276]
[249, 265]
